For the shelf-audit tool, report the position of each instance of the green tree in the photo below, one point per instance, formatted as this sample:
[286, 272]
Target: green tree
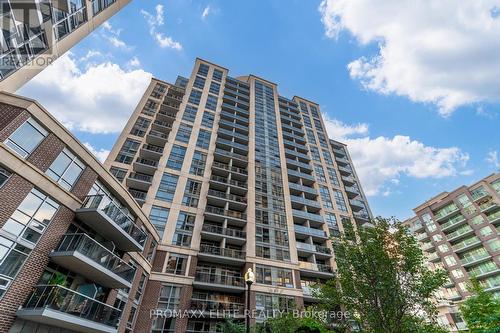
[289, 323]
[229, 325]
[382, 281]
[481, 311]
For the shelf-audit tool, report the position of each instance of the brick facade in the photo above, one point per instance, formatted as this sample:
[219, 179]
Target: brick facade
[84, 183]
[48, 150]
[11, 195]
[11, 118]
[149, 302]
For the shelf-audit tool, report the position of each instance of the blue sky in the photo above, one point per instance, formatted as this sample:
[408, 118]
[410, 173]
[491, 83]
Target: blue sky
[417, 107]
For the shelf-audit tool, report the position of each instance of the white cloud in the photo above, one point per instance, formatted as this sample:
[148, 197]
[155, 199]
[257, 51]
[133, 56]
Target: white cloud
[492, 159]
[381, 161]
[113, 36]
[101, 153]
[97, 99]
[441, 52]
[134, 62]
[206, 12]
[155, 21]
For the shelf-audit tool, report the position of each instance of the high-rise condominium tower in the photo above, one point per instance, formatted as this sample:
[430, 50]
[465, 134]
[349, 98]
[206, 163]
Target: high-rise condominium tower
[35, 32]
[458, 232]
[234, 176]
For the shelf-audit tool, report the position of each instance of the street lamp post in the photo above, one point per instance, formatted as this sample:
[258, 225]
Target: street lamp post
[249, 279]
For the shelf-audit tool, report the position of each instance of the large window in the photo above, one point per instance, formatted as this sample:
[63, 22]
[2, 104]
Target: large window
[217, 75]
[191, 193]
[176, 264]
[184, 229]
[214, 88]
[211, 103]
[274, 276]
[189, 113]
[176, 157]
[119, 173]
[199, 82]
[195, 97]
[166, 190]
[183, 133]
[208, 119]
[203, 69]
[128, 151]
[325, 197]
[339, 200]
[4, 176]
[203, 139]
[198, 163]
[158, 217]
[26, 138]
[66, 169]
[27, 223]
[140, 127]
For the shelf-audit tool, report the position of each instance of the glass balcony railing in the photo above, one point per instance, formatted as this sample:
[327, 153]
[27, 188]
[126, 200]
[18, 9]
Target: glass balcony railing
[223, 279]
[304, 201]
[307, 216]
[453, 222]
[217, 307]
[484, 268]
[224, 166]
[225, 212]
[227, 196]
[227, 181]
[466, 242]
[90, 248]
[223, 252]
[459, 232]
[103, 204]
[309, 231]
[302, 188]
[72, 303]
[215, 229]
[474, 257]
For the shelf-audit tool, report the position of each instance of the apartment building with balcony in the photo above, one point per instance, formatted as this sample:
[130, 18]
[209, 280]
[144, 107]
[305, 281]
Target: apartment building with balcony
[234, 176]
[75, 247]
[35, 33]
[459, 232]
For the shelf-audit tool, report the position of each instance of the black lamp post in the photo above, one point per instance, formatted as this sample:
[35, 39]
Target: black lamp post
[249, 279]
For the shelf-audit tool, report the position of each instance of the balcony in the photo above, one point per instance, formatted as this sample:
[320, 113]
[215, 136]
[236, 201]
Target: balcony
[231, 133]
[352, 192]
[80, 253]
[145, 166]
[345, 171]
[292, 174]
[220, 214]
[296, 163]
[217, 309]
[315, 233]
[306, 202]
[427, 246]
[433, 257]
[315, 270]
[494, 218]
[307, 216]
[221, 197]
[139, 181]
[217, 233]
[453, 222]
[239, 172]
[416, 227]
[357, 205]
[219, 282]
[302, 188]
[317, 249]
[221, 183]
[488, 207]
[151, 152]
[443, 214]
[297, 154]
[231, 124]
[156, 138]
[105, 217]
[139, 196]
[65, 308]
[460, 233]
[348, 181]
[342, 160]
[226, 155]
[466, 244]
[471, 260]
[161, 126]
[221, 255]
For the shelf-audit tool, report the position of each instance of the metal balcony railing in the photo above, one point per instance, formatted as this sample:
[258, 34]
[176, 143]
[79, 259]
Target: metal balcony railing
[223, 279]
[220, 251]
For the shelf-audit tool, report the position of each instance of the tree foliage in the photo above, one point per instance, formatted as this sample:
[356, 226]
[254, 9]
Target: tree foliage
[481, 311]
[288, 323]
[382, 281]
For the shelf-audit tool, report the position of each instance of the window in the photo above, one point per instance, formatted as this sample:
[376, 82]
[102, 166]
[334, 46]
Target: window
[194, 97]
[333, 176]
[214, 88]
[331, 220]
[203, 139]
[477, 219]
[65, 169]
[443, 248]
[32, 217]
[158, 217]
[339, 200]
[140, 127]
[12, 257]
[118, 173]
[203, 69]
[315, 154]
[128, 151]
[450, 260]
[184, 229]
[170, 297]
[437, 237]
[158, 91]
[457, 273]
[486, 231]
[274, 276]
[189, 113]
[217, 75]
[325, 197]
[4, 176]
[183, 133]
[140, 287]
[328, 157]
[268, 303]
[151, 250]
[494, 245]
[198, 163]
[208, 119]
[191, 193]
[310, 136]
[211, 103]
[167, 187]
[320, 173]
[176, 157]
[496, 185]
[26, 138]
[176, 264]
[199, 82]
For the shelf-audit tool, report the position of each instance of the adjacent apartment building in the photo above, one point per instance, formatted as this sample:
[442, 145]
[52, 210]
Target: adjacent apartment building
[459, 232]
[34, 33]
[75, 247]
[233, 176]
